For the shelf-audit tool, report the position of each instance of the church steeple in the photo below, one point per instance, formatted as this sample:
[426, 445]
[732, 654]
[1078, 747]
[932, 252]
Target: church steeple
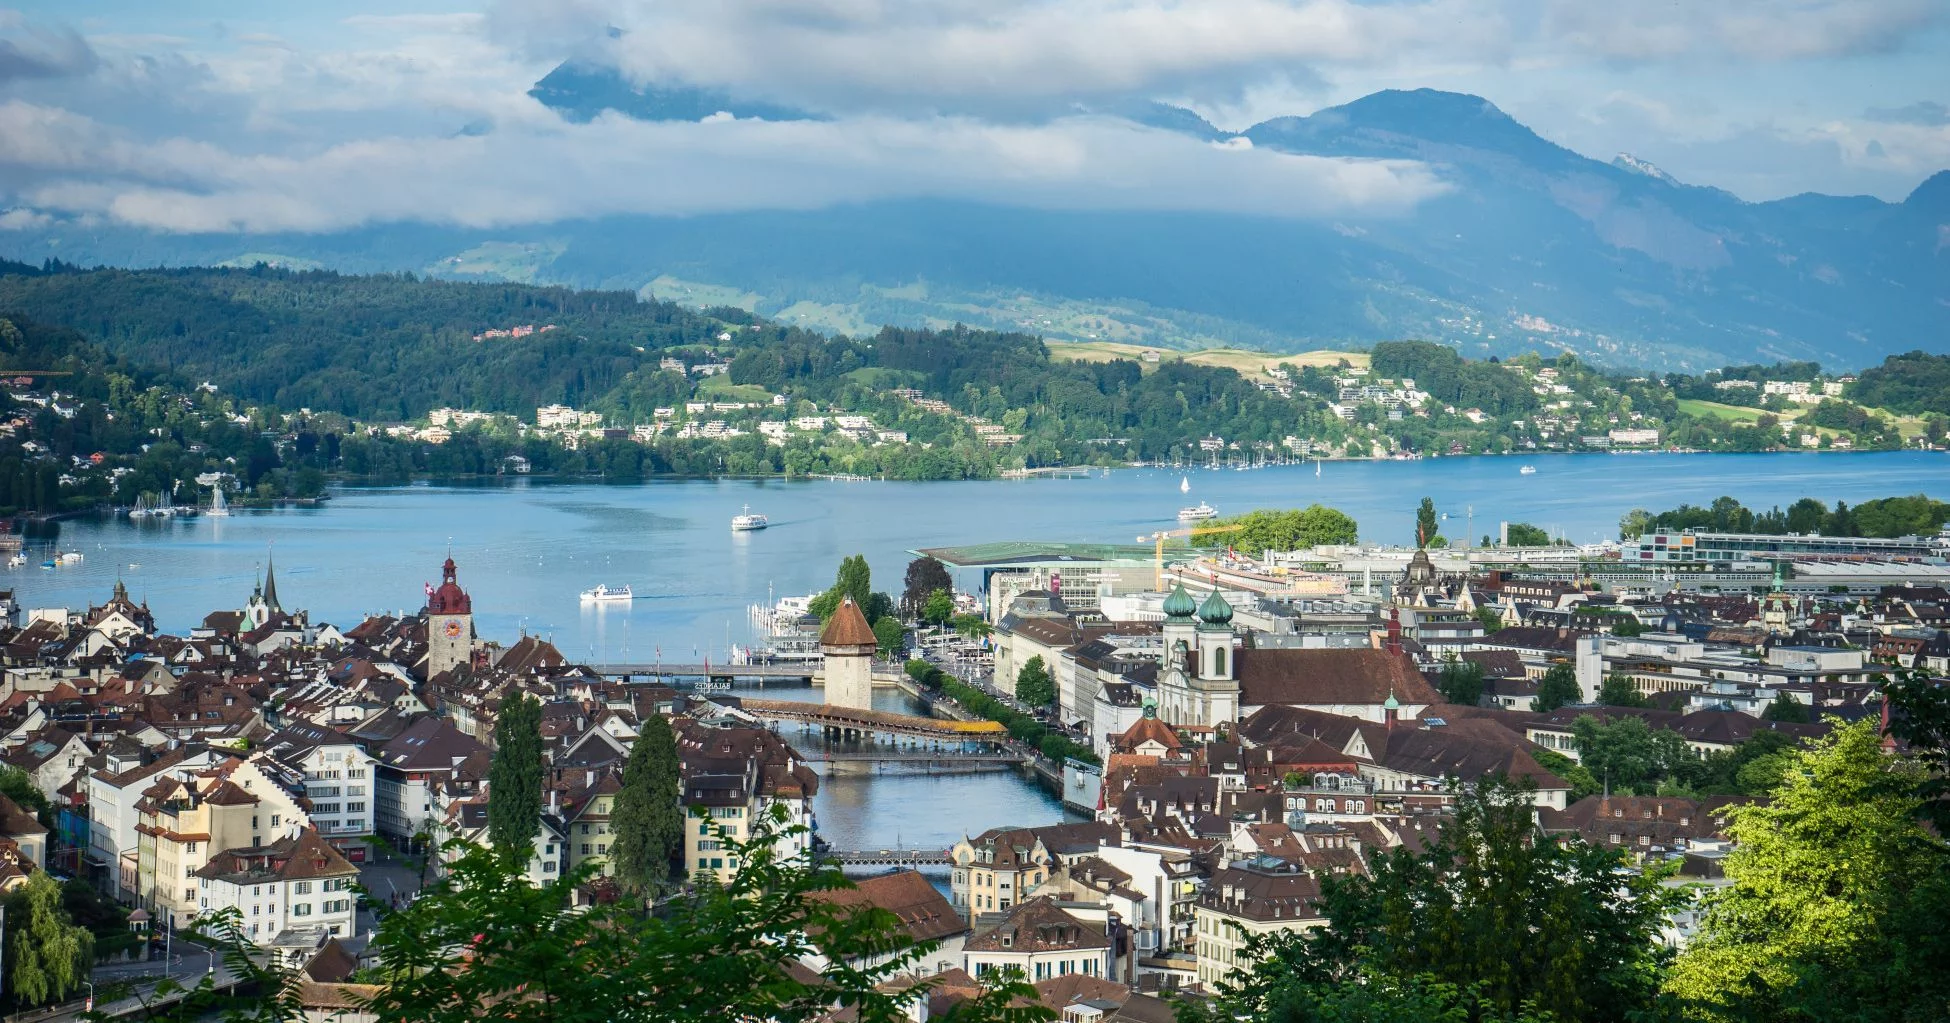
[271, 584]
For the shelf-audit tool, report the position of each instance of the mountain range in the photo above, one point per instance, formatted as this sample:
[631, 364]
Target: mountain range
[1533, 246]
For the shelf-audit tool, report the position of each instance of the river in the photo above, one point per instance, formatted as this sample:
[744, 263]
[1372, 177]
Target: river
[526, 548]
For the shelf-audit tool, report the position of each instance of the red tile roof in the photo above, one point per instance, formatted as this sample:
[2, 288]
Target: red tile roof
[848, 627]
[1320, 677]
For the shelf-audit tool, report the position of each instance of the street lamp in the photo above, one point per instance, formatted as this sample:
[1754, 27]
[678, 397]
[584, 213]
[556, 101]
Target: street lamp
[88, 1004]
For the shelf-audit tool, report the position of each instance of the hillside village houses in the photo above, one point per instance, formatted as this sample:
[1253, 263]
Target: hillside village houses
[1255, 739]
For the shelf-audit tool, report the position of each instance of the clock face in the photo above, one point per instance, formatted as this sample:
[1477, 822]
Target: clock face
[452, 629]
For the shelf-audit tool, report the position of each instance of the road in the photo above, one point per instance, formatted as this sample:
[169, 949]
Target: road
[189, 963]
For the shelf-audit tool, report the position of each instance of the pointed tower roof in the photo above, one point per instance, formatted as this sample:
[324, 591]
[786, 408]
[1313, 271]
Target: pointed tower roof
[848, 628]
[270, 583]
[1180, 604]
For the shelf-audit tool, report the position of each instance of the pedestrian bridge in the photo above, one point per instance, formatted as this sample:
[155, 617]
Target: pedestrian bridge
[889, 857]
[871, 721]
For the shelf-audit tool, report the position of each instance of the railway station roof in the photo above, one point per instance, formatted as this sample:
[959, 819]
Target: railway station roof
[1036, 553]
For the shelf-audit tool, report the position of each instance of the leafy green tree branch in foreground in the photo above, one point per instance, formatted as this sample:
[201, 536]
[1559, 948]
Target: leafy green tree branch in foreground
[1838, 898]
[1493, 922]
[485, 943]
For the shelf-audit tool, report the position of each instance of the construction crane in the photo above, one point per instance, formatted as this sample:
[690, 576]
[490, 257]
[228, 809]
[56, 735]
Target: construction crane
[1161, 536]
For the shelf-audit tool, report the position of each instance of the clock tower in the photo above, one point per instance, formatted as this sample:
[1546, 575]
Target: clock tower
[450, 624]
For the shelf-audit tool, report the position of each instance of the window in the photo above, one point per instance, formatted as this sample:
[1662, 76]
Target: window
[585, 848]
[189, 847]
[602, 847]
[274, 820]
[301, 888]
[355, 808]
[301, 909]
[585, 829]
[549, 867]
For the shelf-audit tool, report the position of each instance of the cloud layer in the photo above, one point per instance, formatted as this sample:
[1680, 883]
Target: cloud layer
[532, 174]
[34, 51]
[255, 125]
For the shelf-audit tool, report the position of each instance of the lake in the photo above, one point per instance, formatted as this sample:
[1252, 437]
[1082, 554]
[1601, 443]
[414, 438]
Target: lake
[527, 548]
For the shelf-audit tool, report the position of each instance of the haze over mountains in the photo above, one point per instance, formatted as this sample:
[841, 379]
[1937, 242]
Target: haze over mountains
[1525, 245]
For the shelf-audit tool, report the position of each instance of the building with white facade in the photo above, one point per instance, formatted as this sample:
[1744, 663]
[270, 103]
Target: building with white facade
[296, 884]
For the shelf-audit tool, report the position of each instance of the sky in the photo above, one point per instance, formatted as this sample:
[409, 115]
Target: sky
[238, 115]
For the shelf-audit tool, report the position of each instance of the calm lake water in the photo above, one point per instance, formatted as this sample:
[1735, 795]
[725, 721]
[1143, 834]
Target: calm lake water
[526, 549]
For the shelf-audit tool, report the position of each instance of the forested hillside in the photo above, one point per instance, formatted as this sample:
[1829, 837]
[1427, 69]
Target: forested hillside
[376, 347]
[275, 378]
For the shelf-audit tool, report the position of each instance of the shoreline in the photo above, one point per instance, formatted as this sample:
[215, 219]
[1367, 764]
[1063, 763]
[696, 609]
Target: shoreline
[340, 482]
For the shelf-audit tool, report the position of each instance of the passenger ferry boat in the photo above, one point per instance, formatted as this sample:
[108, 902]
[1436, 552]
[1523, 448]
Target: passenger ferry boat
[747, 522]
[1200, 513]
[1528, 470]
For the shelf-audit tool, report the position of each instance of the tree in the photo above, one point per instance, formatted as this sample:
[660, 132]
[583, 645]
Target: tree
[972, 627]
[1558, 688]
[1626, 626]
[889, 631]
[1523, 534]
[485, 943]
[1785, 708]
[647, 820]
[1618, 690]
[48, 957]
[1836, 898]
[1509, 919]
[1628, 755]
[926, 576]
[1460, 682]
[854, 579]
[1920, 716]
[938, 608]
[1427, 526]
[1492, 621]
[1259, 531]
[515, 778]
[1634, 523]
[1034, 685]
[19, 786]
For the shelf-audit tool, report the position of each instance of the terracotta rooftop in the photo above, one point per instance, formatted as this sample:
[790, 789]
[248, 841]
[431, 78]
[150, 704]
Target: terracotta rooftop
[1321, 677]
[848, 627]
[923, 911]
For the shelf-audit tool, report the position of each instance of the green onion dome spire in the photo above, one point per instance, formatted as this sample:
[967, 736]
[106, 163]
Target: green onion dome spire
[1179, 604]
[1215, 610]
